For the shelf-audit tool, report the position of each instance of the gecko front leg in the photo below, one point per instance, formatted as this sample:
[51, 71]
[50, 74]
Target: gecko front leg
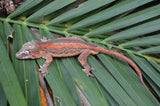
[83, 60]
[48, 61]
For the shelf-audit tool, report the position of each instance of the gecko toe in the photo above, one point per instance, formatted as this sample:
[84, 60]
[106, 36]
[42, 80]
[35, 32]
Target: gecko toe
[43, 70]
[87, 71]
[40, 67]
[91, 75]
[93, 69]
[43, 74]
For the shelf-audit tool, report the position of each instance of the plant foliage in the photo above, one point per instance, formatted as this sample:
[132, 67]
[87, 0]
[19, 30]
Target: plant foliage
[128, 26]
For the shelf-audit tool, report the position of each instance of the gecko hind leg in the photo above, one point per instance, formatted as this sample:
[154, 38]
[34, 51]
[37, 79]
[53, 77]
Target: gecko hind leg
[83, 60]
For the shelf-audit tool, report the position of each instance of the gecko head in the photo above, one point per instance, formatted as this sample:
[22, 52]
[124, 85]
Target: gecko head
[28, 51]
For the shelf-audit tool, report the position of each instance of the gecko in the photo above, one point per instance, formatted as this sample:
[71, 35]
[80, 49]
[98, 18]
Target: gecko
[66, 47]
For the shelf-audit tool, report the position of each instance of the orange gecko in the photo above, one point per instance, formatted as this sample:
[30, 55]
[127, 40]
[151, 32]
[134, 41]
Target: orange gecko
[65, 47]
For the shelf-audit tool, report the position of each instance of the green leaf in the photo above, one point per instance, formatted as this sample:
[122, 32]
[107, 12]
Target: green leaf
[145, 41]
[51, 7]
[108, 97]
[70, 83]
[155, 66]
[128, 81]
[3, 99]
[82, 9]
[139, 30]
[110, 84]
[147, 69]
[26, 70]
[128, 20]
[133, 26]
[83, 82]
[108, 13]
[151, 50]
[25, 6]
[150, 73]
[9, 80]
[7, 29]
[57, 85]
[2, 34]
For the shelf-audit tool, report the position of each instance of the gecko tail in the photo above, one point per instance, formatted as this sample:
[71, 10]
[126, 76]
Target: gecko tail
[110, 52]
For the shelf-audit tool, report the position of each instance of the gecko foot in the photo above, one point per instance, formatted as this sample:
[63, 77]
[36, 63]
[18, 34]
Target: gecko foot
[44, 39]
[87, 71]
[43, 70]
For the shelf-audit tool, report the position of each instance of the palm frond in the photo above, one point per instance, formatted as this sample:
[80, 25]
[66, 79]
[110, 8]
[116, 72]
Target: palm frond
[103, 22]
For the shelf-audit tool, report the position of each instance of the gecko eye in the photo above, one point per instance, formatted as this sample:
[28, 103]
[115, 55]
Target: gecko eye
[27, 52]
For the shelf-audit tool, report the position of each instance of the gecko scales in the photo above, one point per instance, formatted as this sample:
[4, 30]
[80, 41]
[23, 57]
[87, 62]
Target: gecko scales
[65, 47]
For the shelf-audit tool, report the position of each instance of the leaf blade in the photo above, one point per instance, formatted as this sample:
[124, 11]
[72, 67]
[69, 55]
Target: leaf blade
[9, 80]
[108, 13]
[26, 69]
[145, 41]
[83, 82]
[127, 21]
[139, 30]
[25, 6]
[51, 7]
[82, 9]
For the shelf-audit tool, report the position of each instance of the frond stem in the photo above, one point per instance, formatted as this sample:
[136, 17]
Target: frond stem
[70, 34]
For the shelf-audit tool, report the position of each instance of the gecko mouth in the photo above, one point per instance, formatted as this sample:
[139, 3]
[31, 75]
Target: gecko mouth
[20, 56]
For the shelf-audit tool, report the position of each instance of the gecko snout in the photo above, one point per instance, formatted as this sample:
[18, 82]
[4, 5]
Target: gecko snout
[18, 56]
